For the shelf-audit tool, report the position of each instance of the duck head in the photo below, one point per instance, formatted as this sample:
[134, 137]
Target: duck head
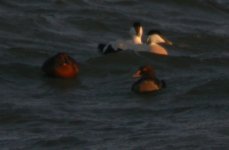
[145, 71]
[136, 32]
[155, 37]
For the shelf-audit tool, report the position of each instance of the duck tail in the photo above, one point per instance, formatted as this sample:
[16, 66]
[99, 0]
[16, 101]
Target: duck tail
[101, 47]
[107, 48]
[163, 84]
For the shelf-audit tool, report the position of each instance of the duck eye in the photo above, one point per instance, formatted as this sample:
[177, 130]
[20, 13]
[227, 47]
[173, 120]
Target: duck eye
[148, 41]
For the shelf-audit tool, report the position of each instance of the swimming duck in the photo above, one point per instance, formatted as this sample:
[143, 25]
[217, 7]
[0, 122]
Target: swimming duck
[61, 65]
[136, 32]
[154, 44]
[148, 82]
[155, 41]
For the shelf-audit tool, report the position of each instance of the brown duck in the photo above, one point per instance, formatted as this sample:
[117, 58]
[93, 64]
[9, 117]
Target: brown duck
[148, 82]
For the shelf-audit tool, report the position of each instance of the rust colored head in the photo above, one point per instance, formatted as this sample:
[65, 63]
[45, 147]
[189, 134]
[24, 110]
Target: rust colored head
[61, 65]
[143, 71]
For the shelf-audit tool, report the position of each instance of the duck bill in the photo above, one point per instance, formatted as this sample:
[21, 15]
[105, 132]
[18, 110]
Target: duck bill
[166, 41]
[137, 74]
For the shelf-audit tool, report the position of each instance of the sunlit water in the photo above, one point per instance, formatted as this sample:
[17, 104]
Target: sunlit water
[97, 110]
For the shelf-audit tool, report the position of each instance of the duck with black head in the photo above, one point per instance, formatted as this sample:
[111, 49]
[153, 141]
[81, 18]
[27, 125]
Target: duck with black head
[136, 32]
[148, 81]
[155, 42]
[61, 65]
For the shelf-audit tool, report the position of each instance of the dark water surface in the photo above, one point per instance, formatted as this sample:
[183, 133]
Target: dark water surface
[97, 110]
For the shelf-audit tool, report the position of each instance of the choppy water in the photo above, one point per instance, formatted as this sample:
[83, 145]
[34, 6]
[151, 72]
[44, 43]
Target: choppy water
[97, 110]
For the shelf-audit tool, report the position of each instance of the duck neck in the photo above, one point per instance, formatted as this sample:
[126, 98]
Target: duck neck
[153, 43]
[137, 39]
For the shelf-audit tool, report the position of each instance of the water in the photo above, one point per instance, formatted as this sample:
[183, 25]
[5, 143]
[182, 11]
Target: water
[97, 110]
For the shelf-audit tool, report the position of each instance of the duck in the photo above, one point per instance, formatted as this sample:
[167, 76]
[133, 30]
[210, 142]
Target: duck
[155, 42]
[61, 65]
[136, 32]
[148, 82]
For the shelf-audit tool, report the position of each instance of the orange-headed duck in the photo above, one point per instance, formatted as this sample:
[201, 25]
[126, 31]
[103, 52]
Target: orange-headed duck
[61, 65]
[136, 32]
[148, 82]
